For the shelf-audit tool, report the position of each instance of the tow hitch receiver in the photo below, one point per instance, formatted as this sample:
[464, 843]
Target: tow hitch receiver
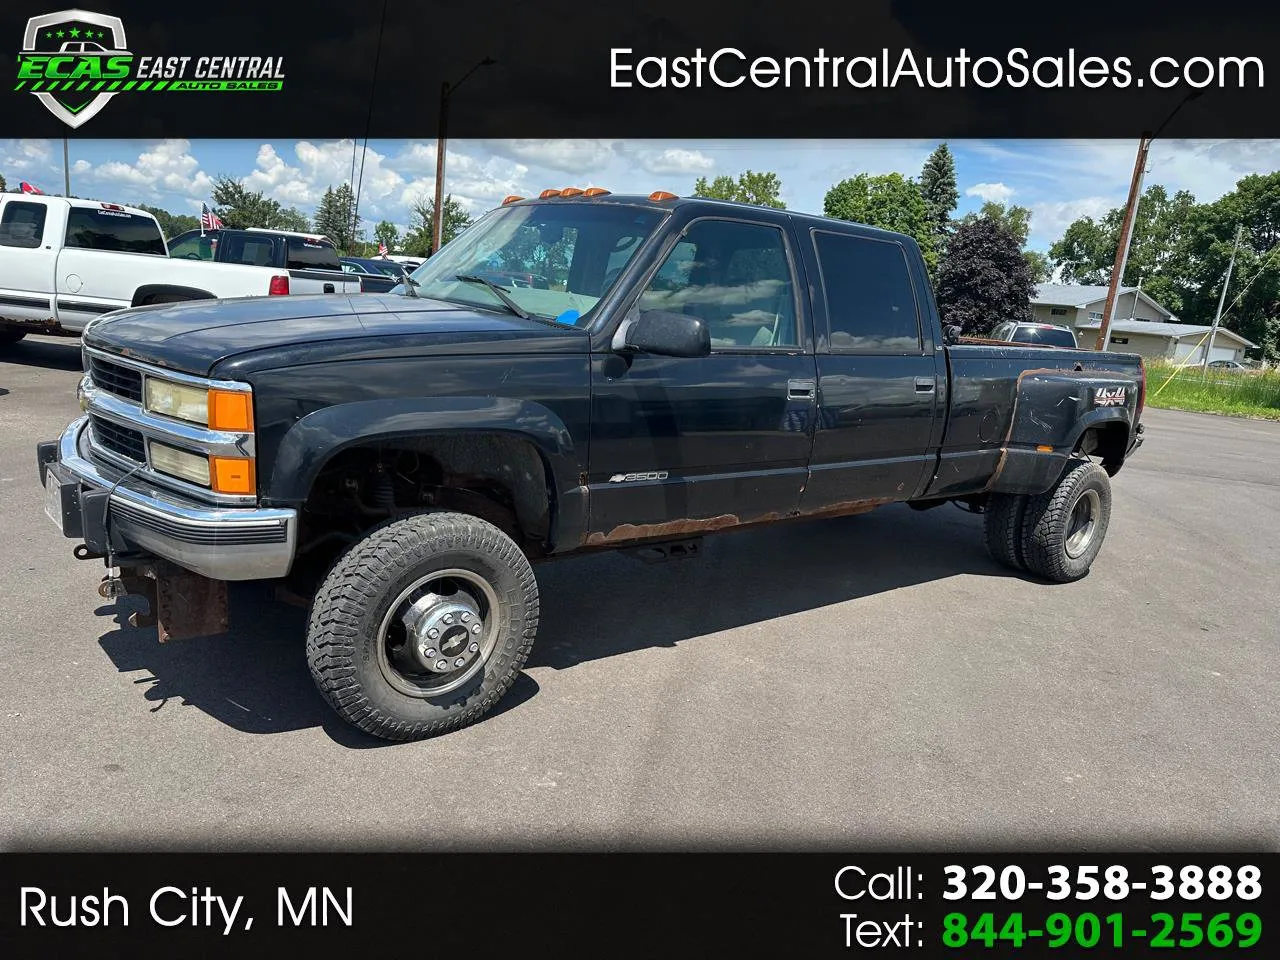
[180, 604]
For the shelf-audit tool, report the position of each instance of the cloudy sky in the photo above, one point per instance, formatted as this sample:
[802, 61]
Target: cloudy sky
[1058, 180]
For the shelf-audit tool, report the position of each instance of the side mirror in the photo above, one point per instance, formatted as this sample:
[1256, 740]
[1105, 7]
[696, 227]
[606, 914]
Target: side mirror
[952, 333]
[668, 335]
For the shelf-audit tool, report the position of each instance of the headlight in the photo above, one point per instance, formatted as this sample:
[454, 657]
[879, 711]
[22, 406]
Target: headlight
[180, 463]
[177, 400]
[217, 409]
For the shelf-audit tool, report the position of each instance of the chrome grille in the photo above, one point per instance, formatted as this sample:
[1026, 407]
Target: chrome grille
[114, 378]
[119, 440]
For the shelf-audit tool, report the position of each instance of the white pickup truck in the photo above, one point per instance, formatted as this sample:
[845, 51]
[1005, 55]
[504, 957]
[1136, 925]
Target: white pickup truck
[64, 262]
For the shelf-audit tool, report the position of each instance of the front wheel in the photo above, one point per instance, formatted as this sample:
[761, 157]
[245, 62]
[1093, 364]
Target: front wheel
[11, 336]
[423, 625]
[1063, 528]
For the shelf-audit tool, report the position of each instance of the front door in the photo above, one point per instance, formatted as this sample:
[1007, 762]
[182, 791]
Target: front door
[26, 263]
[684, 445]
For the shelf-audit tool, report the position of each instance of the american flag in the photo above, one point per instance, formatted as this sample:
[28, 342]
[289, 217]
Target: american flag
[29, 188]
[382, 248]
[208, 219]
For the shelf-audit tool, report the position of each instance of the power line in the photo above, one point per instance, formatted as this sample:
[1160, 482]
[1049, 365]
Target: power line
[373, 89]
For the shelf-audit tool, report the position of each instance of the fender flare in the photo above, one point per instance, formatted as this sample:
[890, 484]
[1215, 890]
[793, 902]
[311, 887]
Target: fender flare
[187, 293]
[316, 438]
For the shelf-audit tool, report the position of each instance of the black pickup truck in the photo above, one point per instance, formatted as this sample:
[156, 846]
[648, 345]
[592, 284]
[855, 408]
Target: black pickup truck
[400, 460]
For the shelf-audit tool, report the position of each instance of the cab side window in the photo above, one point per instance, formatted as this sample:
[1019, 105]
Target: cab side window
[22, 224]
[734, 276]
[871, 303]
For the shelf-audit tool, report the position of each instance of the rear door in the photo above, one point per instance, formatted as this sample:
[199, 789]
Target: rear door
[880, 376]
[26, 258]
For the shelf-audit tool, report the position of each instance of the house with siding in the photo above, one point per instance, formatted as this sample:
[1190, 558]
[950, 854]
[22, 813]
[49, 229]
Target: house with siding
[1141, 324]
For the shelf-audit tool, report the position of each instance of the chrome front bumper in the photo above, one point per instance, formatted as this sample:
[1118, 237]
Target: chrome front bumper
[222, 543]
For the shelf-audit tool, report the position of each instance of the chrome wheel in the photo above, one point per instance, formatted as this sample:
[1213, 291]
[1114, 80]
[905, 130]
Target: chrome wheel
[1082, 524]
[439, 632]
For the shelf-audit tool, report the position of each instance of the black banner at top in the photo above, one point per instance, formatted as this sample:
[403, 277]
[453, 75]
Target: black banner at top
[693, 68]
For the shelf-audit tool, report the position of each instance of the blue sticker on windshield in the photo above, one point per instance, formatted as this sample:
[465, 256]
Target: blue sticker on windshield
[568, 317]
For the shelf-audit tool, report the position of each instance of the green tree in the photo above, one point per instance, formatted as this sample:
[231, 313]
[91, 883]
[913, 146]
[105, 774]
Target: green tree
[761, 188]
[938, 187]
[417, 242]
[4, 187]
[171, 224]
[1039, 264]
[386, 232]
[240, 208]
[891, 202]
[334, 216]
[1017, 221]
[983, 278]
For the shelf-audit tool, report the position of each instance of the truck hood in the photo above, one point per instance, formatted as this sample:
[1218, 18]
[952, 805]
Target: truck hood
[194, 336]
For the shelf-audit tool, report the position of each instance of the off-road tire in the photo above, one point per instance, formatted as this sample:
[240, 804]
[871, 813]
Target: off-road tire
[346, 615]
[11, 336]
[1002, 529]
[1048, 515]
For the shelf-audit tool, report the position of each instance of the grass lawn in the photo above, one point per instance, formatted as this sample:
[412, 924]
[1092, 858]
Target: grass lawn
[1214, 391]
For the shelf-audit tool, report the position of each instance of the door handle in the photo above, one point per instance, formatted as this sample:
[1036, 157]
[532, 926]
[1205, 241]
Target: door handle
[925, 384]
[328, 288]
[801, 389]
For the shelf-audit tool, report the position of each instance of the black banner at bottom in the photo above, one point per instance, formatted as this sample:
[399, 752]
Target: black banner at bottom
[639, 904]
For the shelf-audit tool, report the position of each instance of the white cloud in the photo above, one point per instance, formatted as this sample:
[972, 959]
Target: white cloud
[1051, 219]
[167, 167]
[675, 160]
[568, 156]
[991, 192]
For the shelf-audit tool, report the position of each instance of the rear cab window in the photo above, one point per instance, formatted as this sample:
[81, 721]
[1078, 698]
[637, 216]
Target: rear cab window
[91, 228]
[1045, 336]
[305, 254]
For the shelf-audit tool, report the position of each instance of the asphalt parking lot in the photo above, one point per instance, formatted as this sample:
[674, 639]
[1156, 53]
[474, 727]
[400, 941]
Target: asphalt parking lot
[867, 681]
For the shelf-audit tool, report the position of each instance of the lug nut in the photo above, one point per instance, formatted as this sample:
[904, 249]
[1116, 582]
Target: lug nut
[459, 662]
[474, 647]
[442, 664]
[433, 633]
[448, 618]
[466, 617]
[429, 652]
[475, 628]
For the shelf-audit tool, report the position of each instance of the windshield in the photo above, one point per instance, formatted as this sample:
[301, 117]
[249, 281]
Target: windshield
[555, 260]
[1048, 336]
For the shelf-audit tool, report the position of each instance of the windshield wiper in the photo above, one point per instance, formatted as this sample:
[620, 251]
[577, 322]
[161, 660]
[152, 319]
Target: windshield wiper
[498, 292]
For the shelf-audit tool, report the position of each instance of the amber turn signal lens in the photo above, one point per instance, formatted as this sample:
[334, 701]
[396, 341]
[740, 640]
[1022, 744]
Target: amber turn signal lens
[570, 192]
[661, 195]
[233, 475]
[1043, 448]
[548, 193]
[511, 199]
[230, 410]
[595, 192]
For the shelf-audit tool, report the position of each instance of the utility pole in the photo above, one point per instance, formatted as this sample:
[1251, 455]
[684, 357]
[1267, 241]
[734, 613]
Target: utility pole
[1222, 298]
[437, 218]
[1122, 251]
[66, 169]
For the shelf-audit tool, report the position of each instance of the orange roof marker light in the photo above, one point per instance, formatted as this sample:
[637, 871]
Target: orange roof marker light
[547, 194]
[595, 192]
[571, 192]
[511, 199]
[661, 195]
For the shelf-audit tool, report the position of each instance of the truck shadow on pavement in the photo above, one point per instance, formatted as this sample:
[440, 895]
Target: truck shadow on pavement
[61, 353]
[255, 678]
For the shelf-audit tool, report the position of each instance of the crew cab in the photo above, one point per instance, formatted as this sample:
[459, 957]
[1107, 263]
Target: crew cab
[310, 261]
[402, 461]
[64, 262]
